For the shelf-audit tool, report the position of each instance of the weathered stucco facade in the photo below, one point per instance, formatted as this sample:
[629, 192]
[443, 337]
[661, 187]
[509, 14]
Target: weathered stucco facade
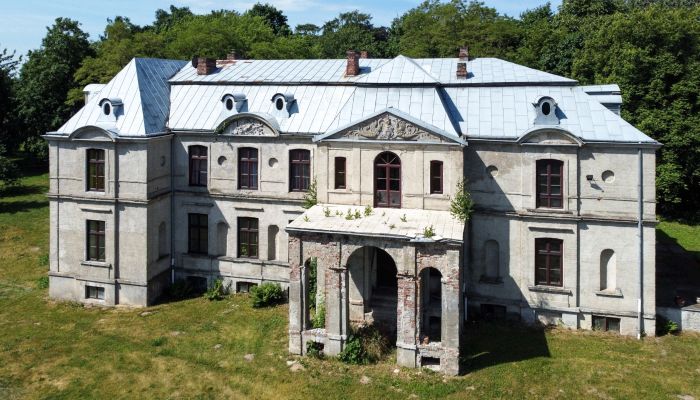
[199, 172]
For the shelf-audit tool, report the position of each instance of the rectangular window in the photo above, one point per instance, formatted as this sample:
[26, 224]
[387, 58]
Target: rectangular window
[606, 324]
[248, 168]
[550, 183]
[340, 172]
[548, 261]
[244, 287]
[94, 292]
[435, 177]
[299, 170]
[96, 240]
[248, 237]
[198, 165]
[96, 170]
[198, 233]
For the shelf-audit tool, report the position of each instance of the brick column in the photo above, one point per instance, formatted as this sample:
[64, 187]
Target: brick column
[406, 321]
[336, 309]
[296, 297]
[451, 323]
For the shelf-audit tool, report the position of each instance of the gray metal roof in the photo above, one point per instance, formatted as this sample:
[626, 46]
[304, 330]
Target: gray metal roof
[494, 102]
[144, 90]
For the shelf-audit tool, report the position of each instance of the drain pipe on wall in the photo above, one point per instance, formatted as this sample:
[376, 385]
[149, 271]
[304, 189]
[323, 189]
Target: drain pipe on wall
[640, 228]
[172, 208]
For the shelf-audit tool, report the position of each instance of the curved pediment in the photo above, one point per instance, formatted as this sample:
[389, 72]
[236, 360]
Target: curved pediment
[550, 136]
[390, 125]
[247, 125]
[93, 133]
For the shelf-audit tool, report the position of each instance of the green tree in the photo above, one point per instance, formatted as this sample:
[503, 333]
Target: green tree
[352, 31]
[8, 117]
[165, 20]
[47, 76]
[274, 18]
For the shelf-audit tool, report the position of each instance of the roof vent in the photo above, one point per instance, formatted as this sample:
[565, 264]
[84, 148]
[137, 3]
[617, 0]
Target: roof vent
[353, 63]
[205, 65]
[546, 109]
[111, 107]
[284, 104]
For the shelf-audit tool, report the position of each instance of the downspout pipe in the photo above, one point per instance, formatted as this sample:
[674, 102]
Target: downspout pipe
[640, 228]
[172, 209]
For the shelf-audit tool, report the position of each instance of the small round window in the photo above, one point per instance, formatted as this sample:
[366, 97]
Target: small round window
[106, 108]
[546, 108]
[229, 104]
[279, 103]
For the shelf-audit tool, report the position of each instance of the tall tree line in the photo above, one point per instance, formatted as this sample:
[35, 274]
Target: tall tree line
[649, 47]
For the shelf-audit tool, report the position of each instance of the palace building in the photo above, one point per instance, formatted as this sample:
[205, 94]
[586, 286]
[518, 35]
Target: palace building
[199, 171]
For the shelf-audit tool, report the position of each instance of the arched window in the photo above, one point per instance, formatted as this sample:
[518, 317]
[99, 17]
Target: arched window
[608, 270]
[550, 183]
[387, 180]
[198, 165]
[491, 260]
[222, 239]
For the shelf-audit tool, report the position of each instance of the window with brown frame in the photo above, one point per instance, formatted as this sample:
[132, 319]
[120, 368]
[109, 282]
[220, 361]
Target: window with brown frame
[198, 165]
[198, 233]
[94, 292]
[435, 177]
[548, 261]
[340, 172]
[95, 240]
[299, 170]
[96, 170]
[387, 180]
[248, 168]
[550, 183]
[247, 237]
[606, 324]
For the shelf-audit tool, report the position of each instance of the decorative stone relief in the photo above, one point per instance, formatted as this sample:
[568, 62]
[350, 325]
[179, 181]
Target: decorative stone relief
[247, 127]
[389, 127]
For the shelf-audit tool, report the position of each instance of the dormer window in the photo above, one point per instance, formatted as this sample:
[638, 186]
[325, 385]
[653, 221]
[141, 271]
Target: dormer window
[283, 103]
[111, 108]
[546, 109]
[233, 101]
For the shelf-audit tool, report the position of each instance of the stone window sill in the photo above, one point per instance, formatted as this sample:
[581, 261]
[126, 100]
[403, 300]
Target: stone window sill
[99, 264]
[545, 210]
[609, 293]
[550, 289]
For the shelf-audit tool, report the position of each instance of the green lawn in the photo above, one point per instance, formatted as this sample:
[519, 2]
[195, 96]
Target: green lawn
[686, 236]
[196, 348]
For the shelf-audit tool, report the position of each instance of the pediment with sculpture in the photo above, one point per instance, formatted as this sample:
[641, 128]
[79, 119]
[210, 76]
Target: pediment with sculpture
[387, 127]
[246, 126]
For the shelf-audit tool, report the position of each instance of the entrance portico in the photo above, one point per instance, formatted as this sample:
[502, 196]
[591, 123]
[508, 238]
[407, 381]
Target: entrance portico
[380, 269]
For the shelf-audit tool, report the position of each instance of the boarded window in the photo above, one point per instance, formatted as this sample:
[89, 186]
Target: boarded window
[198, 233]
[299, 170]
[435, 177]
[162, 240]
[340, 172]
[96, 240]
[272, 232]
[548, 261]
[96, 170]
[550, 183]
[198, 165]
[248, 237]
[248, 168]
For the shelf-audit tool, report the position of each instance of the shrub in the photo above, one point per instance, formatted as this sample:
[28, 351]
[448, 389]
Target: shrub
[461, 206]
[43, 282]
[267, 294]
[665, 326]
[217, 291]
[368, 210]
[319, 316]
[364, 346]
[37, 147]
[311, 196]
[9, 173]
[314, 349]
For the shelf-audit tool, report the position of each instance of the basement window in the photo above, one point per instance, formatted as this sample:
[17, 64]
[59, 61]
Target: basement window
[606, 324]
[244, 287]
[94, 292]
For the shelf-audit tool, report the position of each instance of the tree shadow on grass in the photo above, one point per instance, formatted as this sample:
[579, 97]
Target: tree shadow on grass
[12, 207]
[488, 344]
[677, 272]
[22, 190]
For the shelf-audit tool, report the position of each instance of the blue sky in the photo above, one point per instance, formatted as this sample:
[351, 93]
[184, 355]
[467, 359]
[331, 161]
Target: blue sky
[23, 22]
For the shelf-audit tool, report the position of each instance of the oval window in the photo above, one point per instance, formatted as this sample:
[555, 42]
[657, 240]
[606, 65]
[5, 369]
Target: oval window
[106, 108]
[546, 108]
[229, 104]
[279, 103]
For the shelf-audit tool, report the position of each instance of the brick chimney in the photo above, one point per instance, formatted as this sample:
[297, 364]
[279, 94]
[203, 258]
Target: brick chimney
[464, 53]
[231, 59]
[205, 66]
[353, 66]
[461, 70]
[364, 54]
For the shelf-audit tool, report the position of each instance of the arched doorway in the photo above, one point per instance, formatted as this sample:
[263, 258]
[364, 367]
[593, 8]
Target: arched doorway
[387, 180]
[373, 289]
[431, 304]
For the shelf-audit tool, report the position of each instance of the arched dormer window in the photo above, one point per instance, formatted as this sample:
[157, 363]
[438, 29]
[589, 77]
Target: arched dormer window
[233, 102]
[110, 108]
[546, 109]
[283, 104]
